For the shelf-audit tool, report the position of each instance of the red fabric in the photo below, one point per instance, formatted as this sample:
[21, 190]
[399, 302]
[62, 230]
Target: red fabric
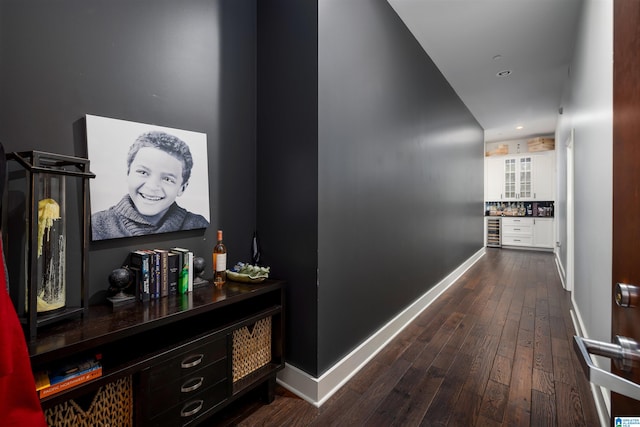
[19, 403]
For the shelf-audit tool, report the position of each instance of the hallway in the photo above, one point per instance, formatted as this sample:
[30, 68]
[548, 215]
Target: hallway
[494, 350]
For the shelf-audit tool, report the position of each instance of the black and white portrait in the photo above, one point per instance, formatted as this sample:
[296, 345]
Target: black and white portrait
[149, 179]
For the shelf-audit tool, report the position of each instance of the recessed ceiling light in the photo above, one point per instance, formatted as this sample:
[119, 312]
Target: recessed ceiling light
[495, 58]
[519, 127]
[504, 73]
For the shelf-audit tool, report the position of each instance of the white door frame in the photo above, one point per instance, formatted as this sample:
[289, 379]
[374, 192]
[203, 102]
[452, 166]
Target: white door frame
[570, 213]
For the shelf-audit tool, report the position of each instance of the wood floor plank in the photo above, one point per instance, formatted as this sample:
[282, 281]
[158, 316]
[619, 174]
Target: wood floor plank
[447, 395]
[413, 413]
[495, 401]
[501, 315]
[557, 327]
[568, 398]
[521, 378]
[467, 409]
[542, 381]
[508, 339]
[543, 409]
[525, 336]
[401, 395]
[450, 341]
[361, 382]
[515, 415]
[587, 401]
[331, 412]
[563, 370]
[530, 297]
[501, 371]
[528, 318]
[542, 351]
[486, 422]
[378, 390]
[480, 369]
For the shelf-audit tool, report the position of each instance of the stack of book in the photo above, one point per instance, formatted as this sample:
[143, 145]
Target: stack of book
[69, 375]
[161, 272]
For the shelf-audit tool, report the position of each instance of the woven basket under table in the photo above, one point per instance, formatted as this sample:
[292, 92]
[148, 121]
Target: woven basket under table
[111, 406]
[251, 348]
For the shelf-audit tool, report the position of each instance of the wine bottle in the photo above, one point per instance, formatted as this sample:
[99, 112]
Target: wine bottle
[219, 262]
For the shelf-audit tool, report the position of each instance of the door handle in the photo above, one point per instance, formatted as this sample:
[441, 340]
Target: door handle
[624, 355]
[627, 295]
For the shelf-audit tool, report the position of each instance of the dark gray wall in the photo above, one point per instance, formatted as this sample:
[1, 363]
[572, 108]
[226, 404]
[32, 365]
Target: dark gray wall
[379, 190]
[188, 65]
[288, 163]
[400, 177]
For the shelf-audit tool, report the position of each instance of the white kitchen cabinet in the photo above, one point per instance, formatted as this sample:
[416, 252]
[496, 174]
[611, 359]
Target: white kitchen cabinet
[532, 232]
[517, 231]
[544, 176]
[543, 233]
[494, 172]
[522, 177]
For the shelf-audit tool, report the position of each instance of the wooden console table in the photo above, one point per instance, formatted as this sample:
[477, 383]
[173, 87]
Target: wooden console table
[157, 342]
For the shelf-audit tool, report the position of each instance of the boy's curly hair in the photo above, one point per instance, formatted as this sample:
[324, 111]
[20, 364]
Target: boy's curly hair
[170, 144]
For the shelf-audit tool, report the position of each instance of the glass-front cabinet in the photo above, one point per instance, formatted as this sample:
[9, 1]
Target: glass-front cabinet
[524, 183]
[522, 177]
[509, 179]
[518, 178]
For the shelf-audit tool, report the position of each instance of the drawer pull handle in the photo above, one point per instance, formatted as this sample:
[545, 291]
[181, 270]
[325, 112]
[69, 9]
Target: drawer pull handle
[192, 361]
[192, 384]
[186, 412]
[516, 229]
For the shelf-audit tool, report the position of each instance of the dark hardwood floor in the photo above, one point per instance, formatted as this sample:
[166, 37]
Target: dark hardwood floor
[494, 350]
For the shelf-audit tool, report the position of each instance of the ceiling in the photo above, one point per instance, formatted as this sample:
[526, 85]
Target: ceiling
[472, 40]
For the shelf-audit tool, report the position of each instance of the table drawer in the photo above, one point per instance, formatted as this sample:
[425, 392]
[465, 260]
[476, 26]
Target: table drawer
[516, 221]
[517, 229]
[185, 363]
[517, 240]
[188, 411]
[185, 388]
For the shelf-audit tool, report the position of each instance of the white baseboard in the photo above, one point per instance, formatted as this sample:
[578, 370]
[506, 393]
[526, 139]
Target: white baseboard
[561, 271]
[317, 390]
[601, 395]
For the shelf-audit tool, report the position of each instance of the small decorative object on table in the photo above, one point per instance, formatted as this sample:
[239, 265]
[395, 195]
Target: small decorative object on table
[120, 279]
[248, 273]
[198, 268]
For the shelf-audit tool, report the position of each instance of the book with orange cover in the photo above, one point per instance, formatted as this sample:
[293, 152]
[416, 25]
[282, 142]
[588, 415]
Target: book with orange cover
[77, 379]
[67, 375]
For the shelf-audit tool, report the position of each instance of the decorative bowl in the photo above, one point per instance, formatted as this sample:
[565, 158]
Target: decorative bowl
[244, 278]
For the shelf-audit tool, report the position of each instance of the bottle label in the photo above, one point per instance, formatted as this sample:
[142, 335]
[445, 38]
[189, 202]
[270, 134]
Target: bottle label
[221, 262]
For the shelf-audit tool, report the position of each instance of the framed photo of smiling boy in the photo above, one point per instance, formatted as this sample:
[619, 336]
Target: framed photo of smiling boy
[149, 179]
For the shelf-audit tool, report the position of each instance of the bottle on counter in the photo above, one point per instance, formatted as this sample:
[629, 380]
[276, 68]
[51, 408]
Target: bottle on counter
[219, 262]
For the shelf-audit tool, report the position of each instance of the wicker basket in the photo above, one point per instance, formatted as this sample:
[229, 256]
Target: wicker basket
[251, 348]
[111, 406]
